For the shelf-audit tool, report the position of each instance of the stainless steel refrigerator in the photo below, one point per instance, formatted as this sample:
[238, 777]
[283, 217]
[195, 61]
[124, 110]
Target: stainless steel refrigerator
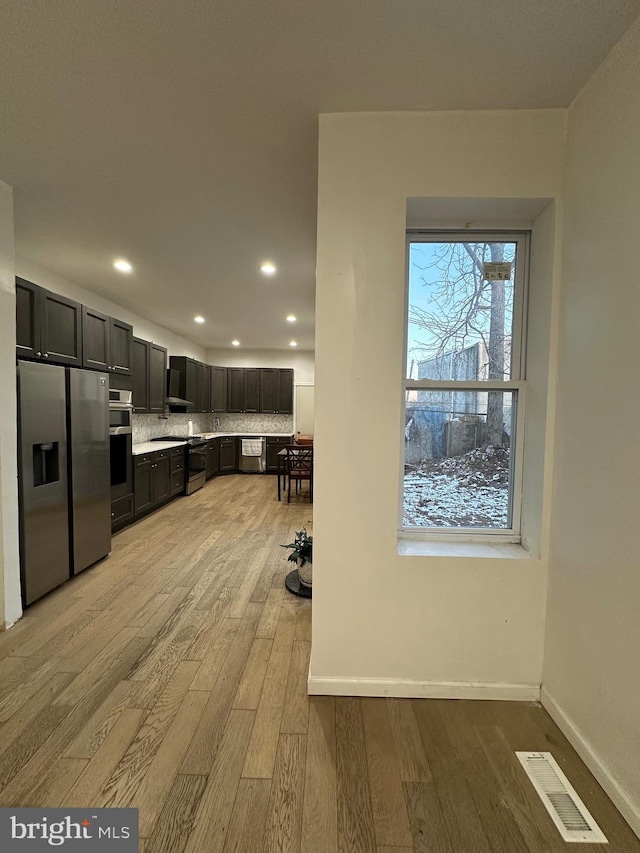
[64, 474]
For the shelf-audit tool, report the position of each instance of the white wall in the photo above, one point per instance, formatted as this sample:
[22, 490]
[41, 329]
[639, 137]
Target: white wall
[10, 604]
[592, 669]
[386, 623]
[175, 344]
[302, 361]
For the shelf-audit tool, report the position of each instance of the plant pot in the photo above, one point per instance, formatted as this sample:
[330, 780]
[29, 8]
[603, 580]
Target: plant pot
[305, 573]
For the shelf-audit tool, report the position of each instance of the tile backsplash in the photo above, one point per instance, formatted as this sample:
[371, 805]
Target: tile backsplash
[146, 427]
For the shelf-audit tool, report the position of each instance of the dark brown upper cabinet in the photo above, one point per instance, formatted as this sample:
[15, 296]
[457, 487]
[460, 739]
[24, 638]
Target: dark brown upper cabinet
[107, 342]
[157, 378]
[276, 390]
[203, 389]
[120, 338]
[218, 389]
[140, 374]
[149, 376]
[243, 389]
[48, 326]
[27, 321]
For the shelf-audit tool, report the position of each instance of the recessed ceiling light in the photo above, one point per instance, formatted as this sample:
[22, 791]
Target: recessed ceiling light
[198, 319]
[267, 268]
[122, 266]
[291, 319]
[235, 343]
[293, 343]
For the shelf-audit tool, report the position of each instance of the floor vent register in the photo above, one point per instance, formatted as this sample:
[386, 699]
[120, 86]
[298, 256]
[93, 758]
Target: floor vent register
[565, 807]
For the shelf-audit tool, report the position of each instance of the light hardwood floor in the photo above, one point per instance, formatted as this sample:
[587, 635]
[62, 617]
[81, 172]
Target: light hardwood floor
[172, 677]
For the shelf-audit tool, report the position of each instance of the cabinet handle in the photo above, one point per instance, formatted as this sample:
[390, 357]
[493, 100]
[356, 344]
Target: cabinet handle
[46, 355]
[38, 353]
[112, 514]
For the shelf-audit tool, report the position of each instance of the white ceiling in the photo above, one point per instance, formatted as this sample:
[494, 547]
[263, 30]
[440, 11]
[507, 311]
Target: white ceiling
[183, 135]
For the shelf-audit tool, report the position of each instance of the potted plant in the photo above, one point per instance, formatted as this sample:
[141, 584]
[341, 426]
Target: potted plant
[302, 555]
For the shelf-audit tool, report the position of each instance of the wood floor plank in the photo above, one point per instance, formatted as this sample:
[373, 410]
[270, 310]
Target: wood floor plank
[355, 812]
[86, 790]
[387, 797]
[261, 755]
[98, 727]
[216, 804]
[295, 715]
[426, 820]
[320, 807]
[56, 783]
[249, 816]
[250, 688]
[271, 613]
[157, 781]
[176, 819]
[284, 822]
[23, 718]
[156, 620]
[27, 745]
[206, 740]
[463, 823]
[215, 654]
[125, 781]
[414, 765]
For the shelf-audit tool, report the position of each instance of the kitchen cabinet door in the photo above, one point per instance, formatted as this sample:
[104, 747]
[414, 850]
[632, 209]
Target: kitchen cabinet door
[218, 389]
[142, 486]
[215, 464]
[235, 389]
[213, 451]
[157, 378]
[199, 386]
[274, 445]
[205, 388]
[284, 391]
[251, 387]
[228, 455]
[27, 325]
[121, 339]
[268, 390]
[61, 329]
[191, 384]
[140, 374]
[161, 479]
[95, 339]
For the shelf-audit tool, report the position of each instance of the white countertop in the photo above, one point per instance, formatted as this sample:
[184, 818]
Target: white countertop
[246, 434]
[152, 446]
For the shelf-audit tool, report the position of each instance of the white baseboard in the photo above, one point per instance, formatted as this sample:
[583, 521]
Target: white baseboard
[319, 686]
[625, 805]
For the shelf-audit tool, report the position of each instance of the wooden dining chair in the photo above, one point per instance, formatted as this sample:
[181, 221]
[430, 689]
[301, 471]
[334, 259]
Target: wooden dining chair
[299, 467]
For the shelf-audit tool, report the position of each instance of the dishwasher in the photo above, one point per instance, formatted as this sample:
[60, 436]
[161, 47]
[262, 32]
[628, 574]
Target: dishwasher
[253, 455]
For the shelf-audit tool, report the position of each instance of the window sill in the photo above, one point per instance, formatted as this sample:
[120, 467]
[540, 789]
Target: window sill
[413, 546]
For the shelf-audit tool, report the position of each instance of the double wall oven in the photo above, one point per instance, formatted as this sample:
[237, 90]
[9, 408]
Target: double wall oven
[120, 438]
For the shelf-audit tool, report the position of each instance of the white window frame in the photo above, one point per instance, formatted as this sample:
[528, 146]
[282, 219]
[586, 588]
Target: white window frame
[516, 384]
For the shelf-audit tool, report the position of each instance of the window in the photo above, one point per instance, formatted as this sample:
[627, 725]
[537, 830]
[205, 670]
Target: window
[464, 383]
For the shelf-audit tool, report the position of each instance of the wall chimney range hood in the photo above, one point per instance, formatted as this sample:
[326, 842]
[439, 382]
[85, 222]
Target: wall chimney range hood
[173, 399]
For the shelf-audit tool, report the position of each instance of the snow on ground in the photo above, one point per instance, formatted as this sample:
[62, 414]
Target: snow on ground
[461, 491]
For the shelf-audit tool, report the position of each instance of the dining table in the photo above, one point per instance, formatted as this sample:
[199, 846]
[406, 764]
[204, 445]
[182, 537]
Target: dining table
[282, 472]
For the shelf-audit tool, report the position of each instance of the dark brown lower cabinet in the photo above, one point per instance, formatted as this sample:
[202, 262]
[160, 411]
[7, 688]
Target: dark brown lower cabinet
[151, 481]
[121, 512]
[213, 457]
[274, 445]
[228, 455]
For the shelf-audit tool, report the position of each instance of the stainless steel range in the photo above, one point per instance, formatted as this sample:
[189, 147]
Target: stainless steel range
[196, 459]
